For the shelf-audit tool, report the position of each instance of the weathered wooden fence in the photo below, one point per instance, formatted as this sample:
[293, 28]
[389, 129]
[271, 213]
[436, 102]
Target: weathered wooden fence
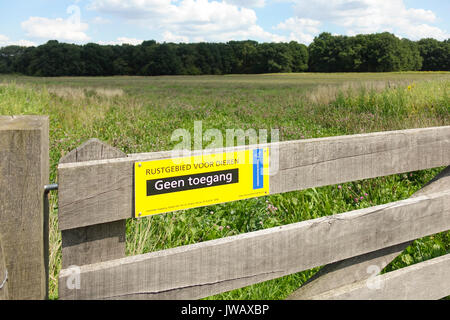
[96, 198]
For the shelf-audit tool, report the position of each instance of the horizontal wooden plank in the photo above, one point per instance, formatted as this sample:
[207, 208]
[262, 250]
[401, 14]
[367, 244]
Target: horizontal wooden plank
[427, 280]
[211, 267]
[347, 271]
[106, 186]
[354, 269]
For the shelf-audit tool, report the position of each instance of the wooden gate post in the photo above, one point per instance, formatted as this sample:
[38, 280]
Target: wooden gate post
[100, 242]
[24, 170]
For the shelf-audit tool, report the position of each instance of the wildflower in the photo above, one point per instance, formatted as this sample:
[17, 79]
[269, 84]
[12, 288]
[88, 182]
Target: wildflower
[366, 194]
[362, 198]
[211, 212]
[271, 208]
[339, 187]
[220, 228]
[356, 199]
[228, 227]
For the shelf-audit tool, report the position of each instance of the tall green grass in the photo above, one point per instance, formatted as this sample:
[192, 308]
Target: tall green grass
[138, 114]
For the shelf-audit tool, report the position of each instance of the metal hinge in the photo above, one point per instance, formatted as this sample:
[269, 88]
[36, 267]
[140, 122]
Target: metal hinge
[50, 187]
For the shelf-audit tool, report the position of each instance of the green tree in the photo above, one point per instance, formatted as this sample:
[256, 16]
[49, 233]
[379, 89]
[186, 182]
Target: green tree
[9, 57]
[435, 54]
[299, 56]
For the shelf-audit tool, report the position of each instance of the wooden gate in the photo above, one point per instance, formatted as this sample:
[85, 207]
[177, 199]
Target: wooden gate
[96, 196]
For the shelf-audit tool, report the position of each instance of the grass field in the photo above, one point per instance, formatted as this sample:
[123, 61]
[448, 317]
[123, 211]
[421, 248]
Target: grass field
[139, 114]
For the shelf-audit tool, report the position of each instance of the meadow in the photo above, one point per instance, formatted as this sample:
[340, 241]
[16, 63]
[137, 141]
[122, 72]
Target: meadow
[139, 114]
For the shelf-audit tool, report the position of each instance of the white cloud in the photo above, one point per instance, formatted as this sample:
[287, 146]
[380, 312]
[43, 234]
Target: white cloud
[100, 20]
[132, 9]
[370, 16]
[301, 30]
[5, 41]
[56, 29]
[23, 43]
[426, 31]
[247, 3]
[122, 40]
[170, 37]
[190, 20]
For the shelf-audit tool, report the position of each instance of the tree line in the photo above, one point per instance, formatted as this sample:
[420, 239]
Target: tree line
[380, 52]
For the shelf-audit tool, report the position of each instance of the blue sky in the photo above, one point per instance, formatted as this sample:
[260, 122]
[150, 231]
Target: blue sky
[131, 21]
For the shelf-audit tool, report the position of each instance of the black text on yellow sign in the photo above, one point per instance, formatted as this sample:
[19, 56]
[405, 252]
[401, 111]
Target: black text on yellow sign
[182, 183]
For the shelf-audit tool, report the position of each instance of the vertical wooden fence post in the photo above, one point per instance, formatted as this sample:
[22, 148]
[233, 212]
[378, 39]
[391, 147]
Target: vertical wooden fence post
[24, 170]
[94, 243]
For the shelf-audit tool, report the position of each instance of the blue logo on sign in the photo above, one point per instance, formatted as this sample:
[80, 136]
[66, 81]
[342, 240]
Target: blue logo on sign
[258, 162]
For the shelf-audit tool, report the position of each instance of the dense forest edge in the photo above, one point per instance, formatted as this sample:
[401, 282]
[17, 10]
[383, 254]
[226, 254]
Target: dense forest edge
[380, 52]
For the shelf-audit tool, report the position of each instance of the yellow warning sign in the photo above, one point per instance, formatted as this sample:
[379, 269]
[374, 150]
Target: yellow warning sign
[197, 181]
